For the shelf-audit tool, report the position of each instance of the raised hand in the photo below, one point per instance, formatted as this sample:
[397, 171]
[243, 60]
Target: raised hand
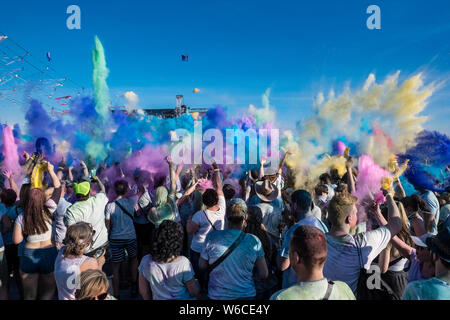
[7, 173]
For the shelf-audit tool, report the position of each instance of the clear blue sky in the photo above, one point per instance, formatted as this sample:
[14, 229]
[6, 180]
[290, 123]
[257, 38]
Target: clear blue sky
[238, 49]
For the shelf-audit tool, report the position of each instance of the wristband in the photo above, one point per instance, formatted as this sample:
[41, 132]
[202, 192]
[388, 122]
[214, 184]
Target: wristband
[216, 170]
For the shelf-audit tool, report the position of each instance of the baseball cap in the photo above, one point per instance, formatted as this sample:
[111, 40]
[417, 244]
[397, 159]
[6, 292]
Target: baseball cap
[238, 213]
[422, 240]
[82, 188]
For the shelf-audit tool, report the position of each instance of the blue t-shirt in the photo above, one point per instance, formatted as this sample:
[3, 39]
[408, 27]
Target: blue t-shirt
[289, 275]
[233, 278]
[431, 289]
[122, 226]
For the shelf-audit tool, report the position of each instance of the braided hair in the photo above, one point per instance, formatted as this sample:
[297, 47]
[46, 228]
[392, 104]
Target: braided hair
[77, 237]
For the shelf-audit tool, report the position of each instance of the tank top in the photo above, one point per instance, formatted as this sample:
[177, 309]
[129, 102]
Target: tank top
[67, 275]
[36, 237]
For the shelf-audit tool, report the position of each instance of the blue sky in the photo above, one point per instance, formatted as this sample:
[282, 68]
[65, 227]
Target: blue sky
[238, 49]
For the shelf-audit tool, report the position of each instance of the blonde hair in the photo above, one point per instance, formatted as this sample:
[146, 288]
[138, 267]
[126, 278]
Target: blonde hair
[340, 207]
[404, 233]
[92, 283]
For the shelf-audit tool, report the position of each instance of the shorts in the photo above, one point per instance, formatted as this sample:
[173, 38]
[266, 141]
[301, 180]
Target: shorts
[118, 248]
[4, 275]
[40, 261]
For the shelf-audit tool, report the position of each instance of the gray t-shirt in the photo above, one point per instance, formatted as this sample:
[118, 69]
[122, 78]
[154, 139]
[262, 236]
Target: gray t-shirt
[343, 262]
[122, 226]
[91, 211]
[167, 280]
[271, 217]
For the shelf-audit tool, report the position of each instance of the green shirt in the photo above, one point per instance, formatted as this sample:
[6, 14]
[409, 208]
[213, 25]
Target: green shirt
[315, 290]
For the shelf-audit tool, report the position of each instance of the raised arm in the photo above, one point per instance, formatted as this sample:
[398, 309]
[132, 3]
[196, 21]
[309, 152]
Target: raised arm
[12, 184]
[172, 174]
[394, 223]
[283, 161]
[53, 176]
[70, 173]
[217, 179]
[350, 178]
[99, 183]
[85, 169]
[399, 192]
[262, 162]
[187, 193]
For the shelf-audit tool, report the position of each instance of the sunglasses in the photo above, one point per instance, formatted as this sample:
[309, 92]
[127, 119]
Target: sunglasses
[99, 297]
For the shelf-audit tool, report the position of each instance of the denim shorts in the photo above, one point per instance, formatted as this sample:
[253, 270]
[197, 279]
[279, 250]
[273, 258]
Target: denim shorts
[40, 261]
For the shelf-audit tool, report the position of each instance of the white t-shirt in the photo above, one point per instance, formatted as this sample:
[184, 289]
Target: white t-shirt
[167, 280]
[91, 211]
[122, 227]
[343, 263]
[217, 218]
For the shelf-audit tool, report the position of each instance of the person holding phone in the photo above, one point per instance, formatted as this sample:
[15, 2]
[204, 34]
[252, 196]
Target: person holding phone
[91, 209]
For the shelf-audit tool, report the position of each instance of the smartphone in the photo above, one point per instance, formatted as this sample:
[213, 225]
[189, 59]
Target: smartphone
[99, 253]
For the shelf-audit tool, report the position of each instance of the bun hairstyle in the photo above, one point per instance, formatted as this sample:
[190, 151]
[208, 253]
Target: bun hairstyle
[78, 236]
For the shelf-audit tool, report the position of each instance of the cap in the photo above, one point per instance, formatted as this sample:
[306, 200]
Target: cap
[82, 188]
[422, 240]
[237, 208]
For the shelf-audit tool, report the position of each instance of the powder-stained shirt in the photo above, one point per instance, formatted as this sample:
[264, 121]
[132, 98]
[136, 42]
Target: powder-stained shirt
[167, 280]
[91, 211]
[431, 289]
[343, 263]
[233, 277]
[315, 290]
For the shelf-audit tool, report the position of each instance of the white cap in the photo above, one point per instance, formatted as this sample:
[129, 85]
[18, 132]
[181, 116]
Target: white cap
[422, 240]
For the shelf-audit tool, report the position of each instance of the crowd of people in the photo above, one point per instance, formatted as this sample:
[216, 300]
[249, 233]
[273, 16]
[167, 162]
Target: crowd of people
[192, 234]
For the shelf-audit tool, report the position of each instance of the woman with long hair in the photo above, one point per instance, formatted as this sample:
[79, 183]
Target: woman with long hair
[392, 263]
[39, 254]
[71, 261]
